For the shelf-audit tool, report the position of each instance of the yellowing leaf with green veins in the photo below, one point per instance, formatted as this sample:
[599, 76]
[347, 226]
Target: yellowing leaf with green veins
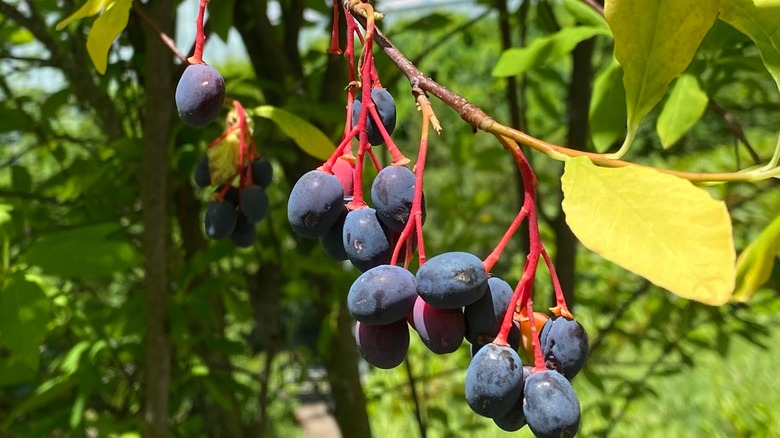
[656, 225]
[655, 41]
[754, 264]
[307, 136]
[223, 158]
[683, 108]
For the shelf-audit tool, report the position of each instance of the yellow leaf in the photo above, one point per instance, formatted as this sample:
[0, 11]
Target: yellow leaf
[655, 41]
[90, 8]
[755, 263]
[106, 28]
[307, 136]
[223, 158]
[656, 225]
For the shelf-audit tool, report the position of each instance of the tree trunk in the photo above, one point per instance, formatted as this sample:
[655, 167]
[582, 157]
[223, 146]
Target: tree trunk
[158, 112]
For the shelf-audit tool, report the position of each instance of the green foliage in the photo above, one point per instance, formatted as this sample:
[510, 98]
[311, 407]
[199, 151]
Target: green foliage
[607, 115]
[245, 325]
[654, 42]
[685, 105]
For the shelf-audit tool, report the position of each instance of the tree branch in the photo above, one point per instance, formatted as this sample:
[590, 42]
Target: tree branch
[480, 120]
[734, 127]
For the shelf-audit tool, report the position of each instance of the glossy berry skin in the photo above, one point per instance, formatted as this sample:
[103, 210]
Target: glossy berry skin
[365, 239]
[484, 316]
[382, 295]
[494, 380]
[332, 241]
[441, 330]
[244, 233]
[220, 219]
[385, 107]
[514, 419]
[254, 203]
[343, 169]
[202, 172]
[383, 346]
[262, 172]
[550, 406]
[564, 346]
[200, 95]
[392, 193]
[452, 280]
[315, 203]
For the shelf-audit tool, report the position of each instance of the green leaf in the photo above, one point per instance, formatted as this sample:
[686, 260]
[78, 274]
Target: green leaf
[104, 31]
[428, 23]
[760, 20]
[655, 41]
[755, 263]
[24, 313]
[12, 119]
[90, 8]
[21, 180]
[684, 107]
[102, 249]
[585, 14]
[607, 115]
[307, 136]
[542, 50]
[50, 391]
[5, 213]
[653, 224]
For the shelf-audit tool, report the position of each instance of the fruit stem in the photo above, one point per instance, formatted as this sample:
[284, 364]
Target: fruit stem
[340, 150]
[415, 214]
[522, 293]
[334, 48]
[560, 309]
[398, 158]
[491, 259]
[538, 356]
[200, 36]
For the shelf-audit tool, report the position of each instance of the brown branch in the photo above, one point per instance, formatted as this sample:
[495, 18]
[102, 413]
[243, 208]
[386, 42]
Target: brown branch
[734, 127]
[595, 5]
[168, 41]
[480, 120]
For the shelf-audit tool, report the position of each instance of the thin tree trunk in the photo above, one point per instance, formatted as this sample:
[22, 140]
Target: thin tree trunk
[578, 107]
[344, 378]
[158, 111]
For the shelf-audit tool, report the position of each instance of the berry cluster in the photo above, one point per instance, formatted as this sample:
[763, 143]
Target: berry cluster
[233, 209]
[452, 296]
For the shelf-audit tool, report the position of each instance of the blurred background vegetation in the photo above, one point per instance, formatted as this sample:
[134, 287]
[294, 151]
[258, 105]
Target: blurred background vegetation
[114, 308]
